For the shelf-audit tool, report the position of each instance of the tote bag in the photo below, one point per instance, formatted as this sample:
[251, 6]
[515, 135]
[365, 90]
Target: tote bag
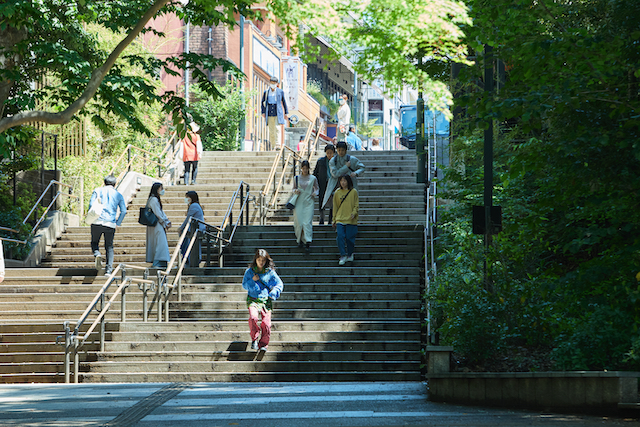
[147, 217]
[291, 204]
[95, 210]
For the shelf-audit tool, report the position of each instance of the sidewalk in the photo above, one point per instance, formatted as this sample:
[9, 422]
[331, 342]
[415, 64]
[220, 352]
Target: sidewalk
[257, 404]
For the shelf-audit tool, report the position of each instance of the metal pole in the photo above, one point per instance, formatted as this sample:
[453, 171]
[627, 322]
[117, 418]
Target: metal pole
[145, 302]
[123, 305]
[76, 359]
[246, 211]
[241, 202]
[243, 121]
[128, 158]
[67, 355]
[186, 71]
[488, 157]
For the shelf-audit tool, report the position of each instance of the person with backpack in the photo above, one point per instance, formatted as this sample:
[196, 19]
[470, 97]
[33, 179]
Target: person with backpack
[263, 286]
[346, 204]
[107, 222]
[340, 165]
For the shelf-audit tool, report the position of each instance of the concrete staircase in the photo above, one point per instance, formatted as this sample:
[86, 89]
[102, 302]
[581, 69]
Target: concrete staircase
[351, 323]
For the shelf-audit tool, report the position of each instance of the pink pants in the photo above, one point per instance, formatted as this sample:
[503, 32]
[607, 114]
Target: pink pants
[265, 326]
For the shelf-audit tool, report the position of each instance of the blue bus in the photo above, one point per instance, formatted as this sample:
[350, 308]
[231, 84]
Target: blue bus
[408, 117]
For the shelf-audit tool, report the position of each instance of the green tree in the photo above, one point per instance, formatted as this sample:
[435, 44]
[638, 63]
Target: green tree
[567, 161]
[219, 117]
[49, 38]
[390, 36]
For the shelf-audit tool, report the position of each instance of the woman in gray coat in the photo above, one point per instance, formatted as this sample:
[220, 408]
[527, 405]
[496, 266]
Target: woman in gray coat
[157, 244]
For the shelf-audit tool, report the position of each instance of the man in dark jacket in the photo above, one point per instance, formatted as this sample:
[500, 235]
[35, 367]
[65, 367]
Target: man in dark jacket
[322, 174]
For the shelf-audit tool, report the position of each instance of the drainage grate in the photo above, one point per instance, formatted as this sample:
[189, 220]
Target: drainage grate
[143, 408]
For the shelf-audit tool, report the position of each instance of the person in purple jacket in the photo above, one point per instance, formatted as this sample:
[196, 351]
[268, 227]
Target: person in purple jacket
[263, 286]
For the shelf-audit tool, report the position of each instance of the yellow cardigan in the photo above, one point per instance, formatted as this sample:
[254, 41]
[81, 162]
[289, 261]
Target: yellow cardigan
[342, 209]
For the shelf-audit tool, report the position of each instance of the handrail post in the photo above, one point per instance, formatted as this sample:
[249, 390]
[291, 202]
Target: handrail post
[145, 291]
[166, 304]
[159, 294]
[159, 168]
[129, 158]
[76, 360]
[123, 305]
[247, 208]
[220, 261]
[241, 201]
[67, 349]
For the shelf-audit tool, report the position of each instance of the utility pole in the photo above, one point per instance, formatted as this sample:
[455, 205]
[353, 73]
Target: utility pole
[421, 176]
[243, 121]
[488, 161]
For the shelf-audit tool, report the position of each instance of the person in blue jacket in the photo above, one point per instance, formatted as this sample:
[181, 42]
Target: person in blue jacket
[263, 286]
[109, 220]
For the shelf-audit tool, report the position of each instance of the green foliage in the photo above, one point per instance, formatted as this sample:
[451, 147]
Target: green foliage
[219, 117]
[57, 39]
[314, 89]
[562, 273]
[390, 37]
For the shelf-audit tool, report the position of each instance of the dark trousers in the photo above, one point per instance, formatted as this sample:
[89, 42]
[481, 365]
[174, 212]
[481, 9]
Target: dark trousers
[188, 167]
[96, 233]
[322, 215]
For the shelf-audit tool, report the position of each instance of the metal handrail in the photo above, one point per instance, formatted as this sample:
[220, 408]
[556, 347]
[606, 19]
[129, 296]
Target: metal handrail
[221, 243]
[73, 340]
[47, 209]
[127, 151]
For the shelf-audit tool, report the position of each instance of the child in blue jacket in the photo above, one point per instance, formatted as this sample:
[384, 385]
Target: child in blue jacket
[263, 286]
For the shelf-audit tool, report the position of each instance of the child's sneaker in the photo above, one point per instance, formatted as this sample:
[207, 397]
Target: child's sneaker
[343, 259]
[254, 345]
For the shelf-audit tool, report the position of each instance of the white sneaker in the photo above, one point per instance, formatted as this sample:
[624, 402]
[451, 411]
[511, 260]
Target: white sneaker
[264, 348]
[350, 258]
[98, 262]
[254, 345]
[343, 259]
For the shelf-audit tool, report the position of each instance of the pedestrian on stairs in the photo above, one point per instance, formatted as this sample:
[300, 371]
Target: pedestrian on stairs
[339, 165]
[263, 286]
[306, 187]
[194, 211]
[107, 223]
[345, 220]
[191, 152]
[322, 174]
[157, 244]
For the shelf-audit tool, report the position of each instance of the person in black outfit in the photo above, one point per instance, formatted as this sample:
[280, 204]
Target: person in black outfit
[321, 172]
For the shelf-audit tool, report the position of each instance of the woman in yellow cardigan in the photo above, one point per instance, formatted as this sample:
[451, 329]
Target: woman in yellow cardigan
[345, 218]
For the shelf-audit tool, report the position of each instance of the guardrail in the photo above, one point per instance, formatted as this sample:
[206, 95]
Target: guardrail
[44, 214]
[213, 235]
[74, 340]
[168, 153]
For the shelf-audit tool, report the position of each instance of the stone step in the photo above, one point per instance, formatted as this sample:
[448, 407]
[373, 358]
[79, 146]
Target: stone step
[253, 366]
[275, 347]
[257, 376]
[282, 313]
[244, 354]
[279, 336]
[302, 296]
[241, 325]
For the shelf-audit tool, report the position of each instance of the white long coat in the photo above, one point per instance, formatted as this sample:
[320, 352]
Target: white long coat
[157, 244]
[305, 204]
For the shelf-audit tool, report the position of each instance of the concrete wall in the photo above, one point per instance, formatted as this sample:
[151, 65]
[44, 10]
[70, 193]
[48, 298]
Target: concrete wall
[579, 390]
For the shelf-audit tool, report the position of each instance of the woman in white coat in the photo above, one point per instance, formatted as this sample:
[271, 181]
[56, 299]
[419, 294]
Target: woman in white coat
[306, 187]
[157, 244]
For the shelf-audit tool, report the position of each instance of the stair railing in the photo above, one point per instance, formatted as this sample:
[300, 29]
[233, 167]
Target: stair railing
[168, 153]
[47, 209]
[211, 234]
[7, 239]
[268, 198]
[74, 340]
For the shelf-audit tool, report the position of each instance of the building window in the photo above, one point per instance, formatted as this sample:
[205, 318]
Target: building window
[375, 105]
